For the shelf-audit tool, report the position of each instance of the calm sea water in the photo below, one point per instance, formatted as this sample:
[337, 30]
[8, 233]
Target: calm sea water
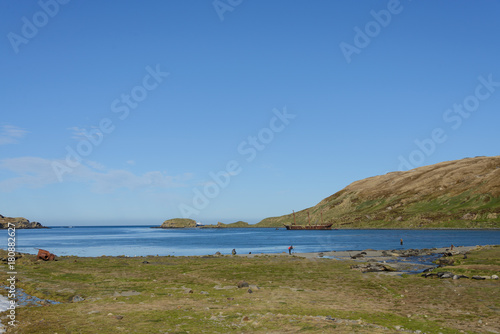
[143, 240]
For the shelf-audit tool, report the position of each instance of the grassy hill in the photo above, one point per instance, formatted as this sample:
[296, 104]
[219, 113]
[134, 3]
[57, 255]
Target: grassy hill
[238, 224]
[235, 224]
[454, 194]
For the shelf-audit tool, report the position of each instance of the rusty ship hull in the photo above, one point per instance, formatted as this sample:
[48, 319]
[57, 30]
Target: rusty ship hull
[309, 227]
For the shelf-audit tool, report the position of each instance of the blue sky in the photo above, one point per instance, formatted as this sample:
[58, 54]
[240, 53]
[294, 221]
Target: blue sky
[135, 112]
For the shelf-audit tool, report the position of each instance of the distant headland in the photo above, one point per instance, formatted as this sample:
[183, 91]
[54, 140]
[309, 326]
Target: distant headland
[19, 223]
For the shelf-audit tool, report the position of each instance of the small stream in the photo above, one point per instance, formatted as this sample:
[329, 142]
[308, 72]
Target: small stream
[22, 299]
[415, 264]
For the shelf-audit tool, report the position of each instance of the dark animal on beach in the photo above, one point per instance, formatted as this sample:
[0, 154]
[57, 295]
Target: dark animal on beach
[357, 255]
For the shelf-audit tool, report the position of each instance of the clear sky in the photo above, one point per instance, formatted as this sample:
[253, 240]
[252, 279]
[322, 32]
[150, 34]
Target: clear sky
[133, 112]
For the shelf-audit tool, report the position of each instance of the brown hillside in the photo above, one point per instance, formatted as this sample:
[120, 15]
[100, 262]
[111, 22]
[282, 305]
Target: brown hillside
[481, 175]
[463, 193]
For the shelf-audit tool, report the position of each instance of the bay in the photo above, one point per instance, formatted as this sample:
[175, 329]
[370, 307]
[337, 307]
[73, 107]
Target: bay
[144, 240]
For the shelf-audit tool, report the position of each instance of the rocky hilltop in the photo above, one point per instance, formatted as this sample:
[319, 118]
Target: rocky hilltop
[178, 223]
[19, 223]
[454, 194]
[238, 224]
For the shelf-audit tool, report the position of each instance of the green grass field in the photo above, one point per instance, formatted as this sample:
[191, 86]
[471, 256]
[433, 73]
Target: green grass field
[290, 294]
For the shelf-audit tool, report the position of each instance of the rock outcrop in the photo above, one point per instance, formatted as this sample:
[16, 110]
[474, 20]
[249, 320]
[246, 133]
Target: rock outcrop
[178, 223]
[19, 223]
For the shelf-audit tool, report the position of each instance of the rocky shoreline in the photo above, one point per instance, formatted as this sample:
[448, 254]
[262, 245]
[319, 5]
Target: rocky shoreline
[392, 262]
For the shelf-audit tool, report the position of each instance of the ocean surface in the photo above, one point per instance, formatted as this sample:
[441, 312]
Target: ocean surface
[144, 240]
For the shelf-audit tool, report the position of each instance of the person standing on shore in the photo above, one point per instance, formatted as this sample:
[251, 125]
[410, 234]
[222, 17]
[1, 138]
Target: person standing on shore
[290, 250]
[234, 251]
[401, 241]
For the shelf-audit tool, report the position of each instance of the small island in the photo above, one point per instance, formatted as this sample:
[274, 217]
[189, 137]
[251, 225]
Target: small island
[19, 223]
[190, 223]
[178, 223]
